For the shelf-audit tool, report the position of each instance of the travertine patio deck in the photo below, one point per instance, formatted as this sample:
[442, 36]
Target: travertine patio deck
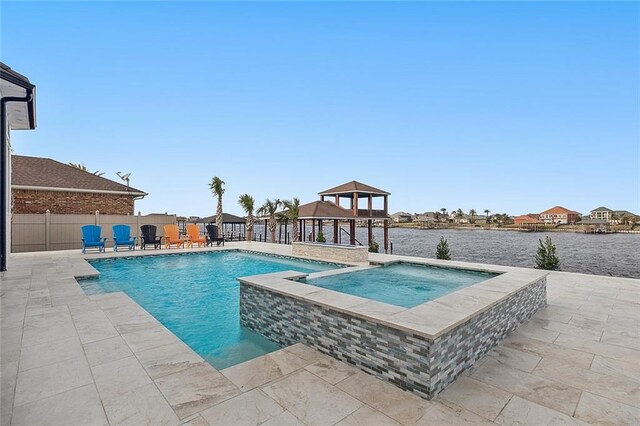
[71, 359]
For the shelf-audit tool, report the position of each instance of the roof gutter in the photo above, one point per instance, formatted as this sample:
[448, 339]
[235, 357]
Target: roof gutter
[136, 194]
[4, 163]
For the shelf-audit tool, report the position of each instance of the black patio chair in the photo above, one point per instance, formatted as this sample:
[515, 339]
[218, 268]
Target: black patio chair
[212, 235]
[149, 237]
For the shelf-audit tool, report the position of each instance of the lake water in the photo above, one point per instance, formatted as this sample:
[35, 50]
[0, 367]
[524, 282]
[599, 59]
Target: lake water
[601, 254]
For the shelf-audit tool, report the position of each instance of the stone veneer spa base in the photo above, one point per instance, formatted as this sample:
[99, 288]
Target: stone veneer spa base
[410, 361]
[333, 252]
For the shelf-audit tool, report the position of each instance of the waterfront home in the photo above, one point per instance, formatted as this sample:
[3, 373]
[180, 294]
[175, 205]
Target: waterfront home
[425, 221]
[453, 216]
[613, 217]
[430, 215]
[603, 213]
[41, 184]
[624, 216]
[528, 219]
[559, 215]
[401, 217]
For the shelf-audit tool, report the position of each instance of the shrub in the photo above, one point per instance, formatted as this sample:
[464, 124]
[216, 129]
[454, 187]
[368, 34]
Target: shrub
[442, 250]
[321, 238]
[374, 246]
[546, 257]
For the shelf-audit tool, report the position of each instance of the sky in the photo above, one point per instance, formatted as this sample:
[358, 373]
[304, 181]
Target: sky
[510, 106]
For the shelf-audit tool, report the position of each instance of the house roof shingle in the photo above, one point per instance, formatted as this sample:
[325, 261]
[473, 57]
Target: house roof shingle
[601, 209]
[354, 186]
[558, 210]
[6, 73]
[623, 212]
[324, 210]
[525, 218]
[47, 173]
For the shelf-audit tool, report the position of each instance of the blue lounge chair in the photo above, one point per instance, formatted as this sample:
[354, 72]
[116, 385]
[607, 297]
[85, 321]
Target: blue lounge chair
[91, 238]
[122, 237]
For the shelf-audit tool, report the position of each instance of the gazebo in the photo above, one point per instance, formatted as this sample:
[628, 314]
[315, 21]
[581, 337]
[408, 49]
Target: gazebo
[355, 192]
[319, 211]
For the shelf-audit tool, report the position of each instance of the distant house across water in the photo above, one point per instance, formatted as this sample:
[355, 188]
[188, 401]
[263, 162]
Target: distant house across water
[401, 217]
[528, 219]
[601, 213]
[613, 217]
[559, 215]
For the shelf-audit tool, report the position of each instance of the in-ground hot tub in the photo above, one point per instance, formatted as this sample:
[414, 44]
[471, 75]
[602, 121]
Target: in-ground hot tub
[402, 284]
[421, 348]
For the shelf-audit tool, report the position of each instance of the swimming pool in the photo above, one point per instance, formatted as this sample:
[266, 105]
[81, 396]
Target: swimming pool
[196, 296]
[402, 284]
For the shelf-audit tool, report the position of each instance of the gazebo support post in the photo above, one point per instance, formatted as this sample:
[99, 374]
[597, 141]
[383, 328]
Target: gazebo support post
[313, 230]
[355, 204]
[335, 231]
[386, 235]
[286, 222]
[370, 226]
[352, 229]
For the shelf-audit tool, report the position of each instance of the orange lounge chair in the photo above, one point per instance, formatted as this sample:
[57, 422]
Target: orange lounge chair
[172, 236]
[194, 235]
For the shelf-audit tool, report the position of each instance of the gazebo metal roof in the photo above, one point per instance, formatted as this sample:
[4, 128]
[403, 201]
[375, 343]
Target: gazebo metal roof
[355, 187]
[325, 210]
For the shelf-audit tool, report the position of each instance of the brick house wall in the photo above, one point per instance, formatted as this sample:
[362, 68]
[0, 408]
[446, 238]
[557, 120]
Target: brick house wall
[37, 202]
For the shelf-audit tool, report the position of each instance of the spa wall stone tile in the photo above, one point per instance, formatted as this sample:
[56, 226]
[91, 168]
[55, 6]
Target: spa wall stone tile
[407, 360]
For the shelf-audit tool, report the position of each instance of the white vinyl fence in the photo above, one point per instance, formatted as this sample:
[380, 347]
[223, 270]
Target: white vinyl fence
[47, 231]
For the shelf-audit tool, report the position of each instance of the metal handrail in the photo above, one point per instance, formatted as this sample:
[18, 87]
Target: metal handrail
[347, 232]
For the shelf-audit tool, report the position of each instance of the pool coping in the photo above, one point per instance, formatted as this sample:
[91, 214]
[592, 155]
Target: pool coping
[87, 271]
[430, 320]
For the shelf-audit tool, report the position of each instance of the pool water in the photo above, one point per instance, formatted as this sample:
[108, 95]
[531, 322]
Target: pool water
[402, 284]
[197, 297]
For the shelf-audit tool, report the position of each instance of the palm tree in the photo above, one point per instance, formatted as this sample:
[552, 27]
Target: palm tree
[217, 189]
[487, 211]
[247, 203]
[614, 218]
[81, 166]
[624, 219]
[472, 213]
[281, 219]
[293, 211]
[269, 208]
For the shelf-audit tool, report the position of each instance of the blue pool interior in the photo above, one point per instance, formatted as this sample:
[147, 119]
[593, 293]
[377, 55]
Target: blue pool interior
[196, 296]
[402, 284]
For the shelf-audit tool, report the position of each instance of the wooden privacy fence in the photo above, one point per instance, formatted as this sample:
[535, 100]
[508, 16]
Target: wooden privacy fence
[43, 232]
